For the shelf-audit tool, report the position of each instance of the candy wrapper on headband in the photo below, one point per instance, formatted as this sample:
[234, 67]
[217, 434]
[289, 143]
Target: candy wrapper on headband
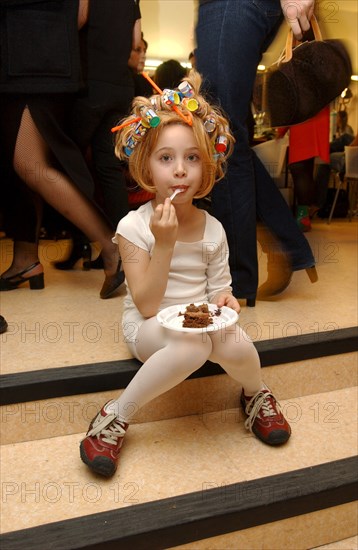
[182, 101]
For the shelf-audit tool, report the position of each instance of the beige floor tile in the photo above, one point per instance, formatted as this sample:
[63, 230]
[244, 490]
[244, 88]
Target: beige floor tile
[46, 479]
[324, 428]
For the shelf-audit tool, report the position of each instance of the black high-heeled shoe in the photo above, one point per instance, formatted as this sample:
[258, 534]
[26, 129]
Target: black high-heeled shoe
[36, 282]
[3, 324]
[79, 250]
[97, 263]
[112, 282]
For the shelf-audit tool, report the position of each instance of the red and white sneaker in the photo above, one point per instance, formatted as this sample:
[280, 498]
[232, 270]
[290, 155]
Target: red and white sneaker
[102, 444]
[265, 418]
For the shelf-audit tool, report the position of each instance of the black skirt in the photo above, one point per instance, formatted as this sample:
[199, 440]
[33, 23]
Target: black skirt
[50, 114]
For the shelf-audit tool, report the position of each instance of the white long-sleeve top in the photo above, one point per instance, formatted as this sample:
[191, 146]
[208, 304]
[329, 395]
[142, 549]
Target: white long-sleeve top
[198, 270]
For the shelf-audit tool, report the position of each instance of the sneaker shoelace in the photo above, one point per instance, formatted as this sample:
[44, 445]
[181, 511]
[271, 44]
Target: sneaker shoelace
[110, 428]
[260, 404]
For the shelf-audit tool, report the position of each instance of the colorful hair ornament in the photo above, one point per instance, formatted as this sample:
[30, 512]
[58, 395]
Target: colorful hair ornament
[140, 129]
[210, 124]
[182, 101]
[152, 83]
[185, 89]
[126, 123]
[190, 103]
[184, 116]
[131, 143]
[149, 116]
[221, 144]
[170, 97]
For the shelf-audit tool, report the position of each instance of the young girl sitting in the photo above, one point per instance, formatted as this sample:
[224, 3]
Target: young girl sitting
[174, 253]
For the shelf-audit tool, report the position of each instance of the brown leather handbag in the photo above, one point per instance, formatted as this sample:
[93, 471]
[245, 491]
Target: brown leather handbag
[306, 78]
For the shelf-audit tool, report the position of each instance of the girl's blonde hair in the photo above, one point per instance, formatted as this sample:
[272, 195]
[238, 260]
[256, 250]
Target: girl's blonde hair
[209, 125]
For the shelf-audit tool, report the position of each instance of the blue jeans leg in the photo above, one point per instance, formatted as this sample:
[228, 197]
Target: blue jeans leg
[232, 36]
[272, 209]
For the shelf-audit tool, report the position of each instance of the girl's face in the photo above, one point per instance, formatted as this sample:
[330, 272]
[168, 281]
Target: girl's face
[175, 163]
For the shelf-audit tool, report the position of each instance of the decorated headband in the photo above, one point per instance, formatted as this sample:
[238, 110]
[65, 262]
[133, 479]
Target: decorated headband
[149, 117]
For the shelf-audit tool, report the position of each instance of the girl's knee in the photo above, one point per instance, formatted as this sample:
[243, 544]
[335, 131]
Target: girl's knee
[196, 347]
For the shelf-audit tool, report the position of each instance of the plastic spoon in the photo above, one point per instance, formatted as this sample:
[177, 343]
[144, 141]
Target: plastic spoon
[175, 193]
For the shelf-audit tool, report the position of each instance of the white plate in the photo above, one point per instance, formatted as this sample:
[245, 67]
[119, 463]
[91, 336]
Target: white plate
[170, 318]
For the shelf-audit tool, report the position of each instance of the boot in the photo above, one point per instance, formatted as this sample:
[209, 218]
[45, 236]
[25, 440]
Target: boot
[279, 270]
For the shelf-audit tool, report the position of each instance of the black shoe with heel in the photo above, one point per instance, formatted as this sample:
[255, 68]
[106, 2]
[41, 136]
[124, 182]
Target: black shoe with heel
[97, 263]
[112, 282]
[3, 324]
[36, 282]
[79, 250]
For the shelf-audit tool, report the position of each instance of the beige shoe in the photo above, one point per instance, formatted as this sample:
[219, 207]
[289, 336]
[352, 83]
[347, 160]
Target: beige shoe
[279, 270]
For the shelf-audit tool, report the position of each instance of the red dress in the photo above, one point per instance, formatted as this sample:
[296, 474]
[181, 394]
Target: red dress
[310, 139]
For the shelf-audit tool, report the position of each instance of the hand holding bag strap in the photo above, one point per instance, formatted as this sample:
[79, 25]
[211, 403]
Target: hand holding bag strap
[291, 43]
[316, 29]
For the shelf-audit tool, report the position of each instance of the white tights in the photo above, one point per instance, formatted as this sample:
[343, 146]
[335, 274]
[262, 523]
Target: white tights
[169, 357]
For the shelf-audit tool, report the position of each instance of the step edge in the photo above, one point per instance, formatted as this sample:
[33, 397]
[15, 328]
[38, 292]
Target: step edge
[98, 377]
[186, 518]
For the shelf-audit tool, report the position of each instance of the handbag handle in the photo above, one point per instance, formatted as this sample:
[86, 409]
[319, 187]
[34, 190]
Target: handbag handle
[289, 42]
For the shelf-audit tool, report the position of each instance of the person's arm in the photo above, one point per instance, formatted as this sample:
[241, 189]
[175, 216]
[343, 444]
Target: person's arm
[147, 276]
[298, 14]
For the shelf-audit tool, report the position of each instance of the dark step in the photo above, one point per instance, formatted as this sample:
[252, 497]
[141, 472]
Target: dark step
[97, 377]
[187, 518]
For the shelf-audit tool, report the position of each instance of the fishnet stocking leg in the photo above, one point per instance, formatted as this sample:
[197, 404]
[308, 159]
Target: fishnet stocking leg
[303, 182]
[25, 253]
[32, 162]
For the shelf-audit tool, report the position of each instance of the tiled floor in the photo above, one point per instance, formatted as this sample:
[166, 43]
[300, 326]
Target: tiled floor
[68, 324]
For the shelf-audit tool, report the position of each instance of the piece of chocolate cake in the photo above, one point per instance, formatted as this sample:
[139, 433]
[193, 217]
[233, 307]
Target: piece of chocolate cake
[197, 316]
